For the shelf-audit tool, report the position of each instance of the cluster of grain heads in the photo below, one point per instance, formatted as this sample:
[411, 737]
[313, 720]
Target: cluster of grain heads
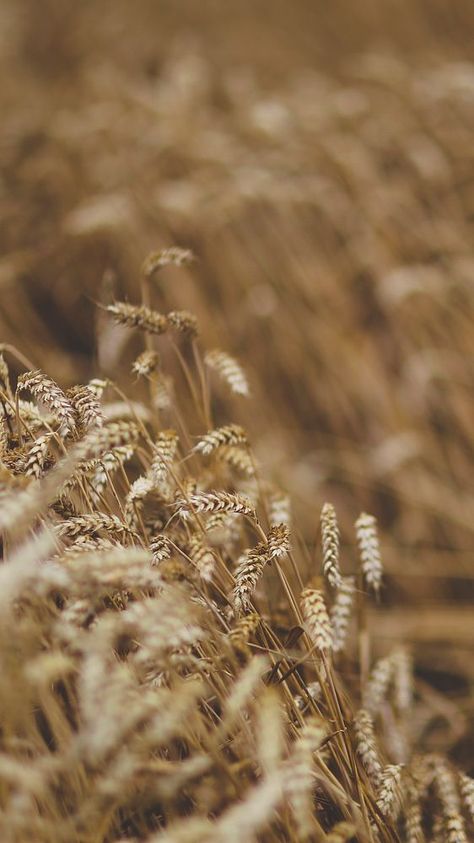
[163, 653]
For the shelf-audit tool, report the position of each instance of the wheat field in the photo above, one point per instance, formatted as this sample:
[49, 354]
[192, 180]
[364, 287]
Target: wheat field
[236, 358]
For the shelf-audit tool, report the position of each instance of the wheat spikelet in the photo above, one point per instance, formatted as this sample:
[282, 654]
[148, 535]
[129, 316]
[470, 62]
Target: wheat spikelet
[37, 457]
[270, 733]
[215, 502]
[106, 466]
[388, 795]
[239, 459]
[366, 745]
[91, 523]
[183, 322]
[247, 574]
[146, 363]
[450, 803]
[317, 618]
[229, 370]
[230, 434]
[139, 316]
[279, 507]
[160, 548]
[165, 450]
[97, 386]
[402, 679]
[330, 543]
[165, 257]
[241, 632]
[87, 407]
[341, 611]
[300, 782]
[366, 529]
[414, 816]
[139, 489]
[377, 686]
[278, 541]
[467, 791]
[203, 557]
[51, 395]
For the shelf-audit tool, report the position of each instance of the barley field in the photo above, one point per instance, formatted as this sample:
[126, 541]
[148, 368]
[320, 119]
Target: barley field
[236, 370]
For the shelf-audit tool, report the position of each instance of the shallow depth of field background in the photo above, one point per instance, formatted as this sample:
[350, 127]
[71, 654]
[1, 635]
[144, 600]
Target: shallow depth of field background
[318, 160]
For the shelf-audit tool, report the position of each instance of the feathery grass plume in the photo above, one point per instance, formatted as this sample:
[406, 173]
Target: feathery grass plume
[340, 612]
[229, 370]
[183, 322]
[146, 363]
[166, 257]
[161, 548]
[215, 502]
[377, 686]
[330, 543]
[230, 434]
[342, 832]
[139, 316]
[38, 456]
[49, 394]
[447, 789]
[467, 792]
[300, 782]
[87, 407]
[388, 794]
[367, 538]
[366, 745]
[316, 618]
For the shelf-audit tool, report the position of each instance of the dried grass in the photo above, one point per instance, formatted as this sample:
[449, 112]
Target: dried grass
[189, 653]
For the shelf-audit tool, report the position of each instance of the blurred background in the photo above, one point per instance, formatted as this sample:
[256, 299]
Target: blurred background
[318, 160]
